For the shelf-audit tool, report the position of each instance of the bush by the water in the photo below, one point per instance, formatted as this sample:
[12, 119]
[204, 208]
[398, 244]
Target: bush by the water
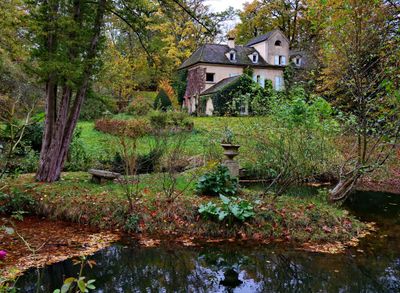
[217, 182]
[229, 208]
[297, 143]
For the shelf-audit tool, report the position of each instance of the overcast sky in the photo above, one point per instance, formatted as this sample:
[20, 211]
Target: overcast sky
[219, 5]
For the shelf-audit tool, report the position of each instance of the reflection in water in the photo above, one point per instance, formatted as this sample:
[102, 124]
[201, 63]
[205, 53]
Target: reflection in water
[233, 268]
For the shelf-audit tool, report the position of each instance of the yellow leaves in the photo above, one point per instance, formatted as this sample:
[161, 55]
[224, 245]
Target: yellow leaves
[330, 248]
[165, 85]
[148, 242]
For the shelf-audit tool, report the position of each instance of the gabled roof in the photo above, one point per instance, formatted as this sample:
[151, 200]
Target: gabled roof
[265, 37]
[220, 85]
[215, 54]
[259, 39]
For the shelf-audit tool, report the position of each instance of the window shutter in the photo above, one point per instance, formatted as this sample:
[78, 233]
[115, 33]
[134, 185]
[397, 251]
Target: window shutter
[283, 60]
[276, 60]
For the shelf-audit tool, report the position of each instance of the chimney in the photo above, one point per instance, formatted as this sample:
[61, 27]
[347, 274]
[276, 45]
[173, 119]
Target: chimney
[231, 42]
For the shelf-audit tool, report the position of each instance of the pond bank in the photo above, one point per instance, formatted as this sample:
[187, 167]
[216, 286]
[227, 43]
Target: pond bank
[305, 223]
[127, 266]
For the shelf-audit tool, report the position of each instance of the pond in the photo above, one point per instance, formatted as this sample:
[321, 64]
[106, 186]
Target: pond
[374, 266]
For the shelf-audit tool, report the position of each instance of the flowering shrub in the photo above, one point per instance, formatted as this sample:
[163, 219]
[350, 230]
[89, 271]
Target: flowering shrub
[3, 254]
[131, 128]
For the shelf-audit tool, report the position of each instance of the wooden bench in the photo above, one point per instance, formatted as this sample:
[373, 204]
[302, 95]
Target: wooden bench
[101, 176]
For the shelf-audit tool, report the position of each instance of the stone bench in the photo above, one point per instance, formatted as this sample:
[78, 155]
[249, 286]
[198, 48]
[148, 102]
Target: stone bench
[101, 176]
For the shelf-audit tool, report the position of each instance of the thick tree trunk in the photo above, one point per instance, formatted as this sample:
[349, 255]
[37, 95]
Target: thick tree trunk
[60, 125]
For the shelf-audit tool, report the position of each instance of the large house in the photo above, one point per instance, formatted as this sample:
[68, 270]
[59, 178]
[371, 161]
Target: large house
[213, 66]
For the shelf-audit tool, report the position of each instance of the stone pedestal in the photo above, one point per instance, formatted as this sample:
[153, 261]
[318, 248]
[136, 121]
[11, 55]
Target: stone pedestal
[230, 152]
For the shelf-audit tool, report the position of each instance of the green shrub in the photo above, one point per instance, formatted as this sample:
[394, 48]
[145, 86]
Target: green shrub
[297, 143]
[33, 136]
[15, 202]
[96, 105]
[243, 92]
[231, 208]
[132, 223]
[171, 120]
[162, 101]
[145, 163]
[158, 120]
[217, 182]
[180, 120]
[78, 159]
[140, 106]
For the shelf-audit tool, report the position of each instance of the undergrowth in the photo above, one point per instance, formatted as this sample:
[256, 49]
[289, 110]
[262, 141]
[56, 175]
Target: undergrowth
[289, 218]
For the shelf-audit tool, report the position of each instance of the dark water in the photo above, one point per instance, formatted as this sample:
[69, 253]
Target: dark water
[375, 267]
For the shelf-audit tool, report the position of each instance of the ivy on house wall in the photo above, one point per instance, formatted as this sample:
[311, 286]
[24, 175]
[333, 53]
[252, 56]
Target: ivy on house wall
[240, 94]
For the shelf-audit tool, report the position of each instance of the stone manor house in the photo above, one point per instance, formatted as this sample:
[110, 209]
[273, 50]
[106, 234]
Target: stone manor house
[213, 66]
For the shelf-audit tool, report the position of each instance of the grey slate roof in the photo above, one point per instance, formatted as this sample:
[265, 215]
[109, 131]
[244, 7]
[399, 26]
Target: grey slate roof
[220, 85]
[259, 39]
[215, 54]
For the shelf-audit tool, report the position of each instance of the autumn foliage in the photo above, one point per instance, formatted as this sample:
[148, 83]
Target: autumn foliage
[131, 128]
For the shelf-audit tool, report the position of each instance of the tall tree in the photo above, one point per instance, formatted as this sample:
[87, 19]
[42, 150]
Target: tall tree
[68, 37]
[361, 57]
[262, 16]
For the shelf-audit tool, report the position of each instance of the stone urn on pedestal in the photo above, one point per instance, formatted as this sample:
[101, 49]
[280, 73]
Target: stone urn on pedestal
[231, 150]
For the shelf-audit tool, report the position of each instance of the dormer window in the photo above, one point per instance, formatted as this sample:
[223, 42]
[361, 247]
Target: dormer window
[232, 56]
[255, 58]
[278, 43]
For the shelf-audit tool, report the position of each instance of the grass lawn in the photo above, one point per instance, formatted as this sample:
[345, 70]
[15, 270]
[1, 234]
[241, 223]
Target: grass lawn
[205, 137]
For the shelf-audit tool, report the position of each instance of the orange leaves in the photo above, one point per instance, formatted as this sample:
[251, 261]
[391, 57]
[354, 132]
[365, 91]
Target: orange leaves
[59, 240]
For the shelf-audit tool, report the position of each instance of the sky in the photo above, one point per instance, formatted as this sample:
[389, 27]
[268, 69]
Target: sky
[219, 5]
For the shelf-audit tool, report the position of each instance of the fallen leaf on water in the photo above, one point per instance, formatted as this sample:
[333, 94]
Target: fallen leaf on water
[149, 242]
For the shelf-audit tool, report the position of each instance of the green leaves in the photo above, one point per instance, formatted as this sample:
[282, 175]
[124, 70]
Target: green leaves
[82, 285]
[217, 182]
[230, 208]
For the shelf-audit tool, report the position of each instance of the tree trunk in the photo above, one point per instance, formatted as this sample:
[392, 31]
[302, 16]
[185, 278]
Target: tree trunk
[60, 125]
[343, 189]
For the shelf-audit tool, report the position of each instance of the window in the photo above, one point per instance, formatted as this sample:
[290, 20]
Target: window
[255, 58]
[280, 60]
[278, 83]
[258, 79]
[278, 43]
[210, 77]
[232, 56]
[298, 61]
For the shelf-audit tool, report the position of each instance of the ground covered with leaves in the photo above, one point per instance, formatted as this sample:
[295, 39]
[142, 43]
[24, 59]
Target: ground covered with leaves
[284, 218]
[35, 242]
